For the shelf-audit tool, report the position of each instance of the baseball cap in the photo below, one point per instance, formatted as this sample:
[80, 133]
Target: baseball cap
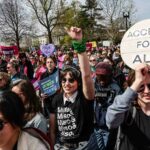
[103, 68]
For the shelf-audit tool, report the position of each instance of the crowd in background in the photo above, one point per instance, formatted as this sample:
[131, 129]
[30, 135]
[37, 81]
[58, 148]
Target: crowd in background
[27, 67]
[93, 85]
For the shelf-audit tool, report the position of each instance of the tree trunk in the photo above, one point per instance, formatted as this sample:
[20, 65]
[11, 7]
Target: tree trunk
[18, 41]
[49, 36]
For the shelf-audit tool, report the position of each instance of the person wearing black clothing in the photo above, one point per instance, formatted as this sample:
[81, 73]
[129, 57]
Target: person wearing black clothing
[131, 111]
[51, 63]
[3, 65]
[71, 118]
[26, 66]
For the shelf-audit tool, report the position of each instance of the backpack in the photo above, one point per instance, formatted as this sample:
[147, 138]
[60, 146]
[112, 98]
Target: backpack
[40, 135]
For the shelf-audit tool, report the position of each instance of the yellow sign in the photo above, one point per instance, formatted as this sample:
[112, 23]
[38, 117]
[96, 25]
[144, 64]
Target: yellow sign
[93, 43]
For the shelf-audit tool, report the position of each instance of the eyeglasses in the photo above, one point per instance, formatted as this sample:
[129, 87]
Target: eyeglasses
[92, 60]
[2, 123]
[70, 80]
[142, 87]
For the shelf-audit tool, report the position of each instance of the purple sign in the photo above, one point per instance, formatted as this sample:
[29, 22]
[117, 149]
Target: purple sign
[47, 49]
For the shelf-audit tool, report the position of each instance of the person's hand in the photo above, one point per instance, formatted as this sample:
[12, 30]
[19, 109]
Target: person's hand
[75, 33]
[43, 96]
[142, 75]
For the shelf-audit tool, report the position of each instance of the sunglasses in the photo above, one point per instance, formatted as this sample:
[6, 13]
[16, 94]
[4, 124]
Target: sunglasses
[142, 87]
[2, 123]
[102, 77]
[70, 80]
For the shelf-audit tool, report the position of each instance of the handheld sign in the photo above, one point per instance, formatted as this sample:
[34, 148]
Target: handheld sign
[135, 45]
[50, 84]
[47, 49]
[9, 50]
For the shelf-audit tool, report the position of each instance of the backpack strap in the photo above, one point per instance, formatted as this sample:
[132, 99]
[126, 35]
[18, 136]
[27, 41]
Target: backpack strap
[118, 140]
[129, 122]
[40, 135]
[130, 116]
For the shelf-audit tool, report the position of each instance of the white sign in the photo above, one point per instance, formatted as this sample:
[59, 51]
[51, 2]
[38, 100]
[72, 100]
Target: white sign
[135, 45]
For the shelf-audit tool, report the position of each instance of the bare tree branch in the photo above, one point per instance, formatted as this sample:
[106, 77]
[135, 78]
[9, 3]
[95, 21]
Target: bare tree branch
[13, 21]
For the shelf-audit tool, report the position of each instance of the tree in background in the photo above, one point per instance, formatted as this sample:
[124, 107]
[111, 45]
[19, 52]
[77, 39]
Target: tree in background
[69, 18]
[47, 13]
[84, 16]
[92, 19]
[113, 13]
[13, 21]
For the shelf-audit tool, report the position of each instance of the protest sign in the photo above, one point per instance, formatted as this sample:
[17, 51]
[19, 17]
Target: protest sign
[88, 46]
[135, 45]
[47, 49]
[50, 84]
[94, 45]
[9, 50]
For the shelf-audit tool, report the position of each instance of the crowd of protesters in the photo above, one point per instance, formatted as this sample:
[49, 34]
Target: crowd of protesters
[94, 101]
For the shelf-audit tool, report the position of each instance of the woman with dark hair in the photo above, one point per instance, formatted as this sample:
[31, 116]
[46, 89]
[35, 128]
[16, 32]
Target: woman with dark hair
[12, 135]
[51, 68]
[32, 117]
[71, 117]
[26, 66]
[131, 111]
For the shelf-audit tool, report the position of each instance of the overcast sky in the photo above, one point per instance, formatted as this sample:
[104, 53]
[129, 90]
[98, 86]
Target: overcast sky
[143, 9]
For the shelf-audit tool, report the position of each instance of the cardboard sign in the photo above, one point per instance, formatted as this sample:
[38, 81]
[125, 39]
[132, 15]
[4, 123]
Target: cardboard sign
[50, 84]
[135, 45]
[47, 49]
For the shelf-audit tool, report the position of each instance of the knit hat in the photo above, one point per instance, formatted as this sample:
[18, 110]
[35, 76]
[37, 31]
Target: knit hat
[103, 68]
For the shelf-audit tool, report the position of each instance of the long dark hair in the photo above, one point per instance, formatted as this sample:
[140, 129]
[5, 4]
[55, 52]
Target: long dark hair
[12, 108]
[32, 105]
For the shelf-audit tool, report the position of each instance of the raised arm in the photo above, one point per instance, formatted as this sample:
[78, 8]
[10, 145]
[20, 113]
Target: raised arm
[87, 82]
[116, 112]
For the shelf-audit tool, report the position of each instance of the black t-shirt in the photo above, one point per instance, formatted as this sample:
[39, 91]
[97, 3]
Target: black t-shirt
[75, 121]
[137, 135]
